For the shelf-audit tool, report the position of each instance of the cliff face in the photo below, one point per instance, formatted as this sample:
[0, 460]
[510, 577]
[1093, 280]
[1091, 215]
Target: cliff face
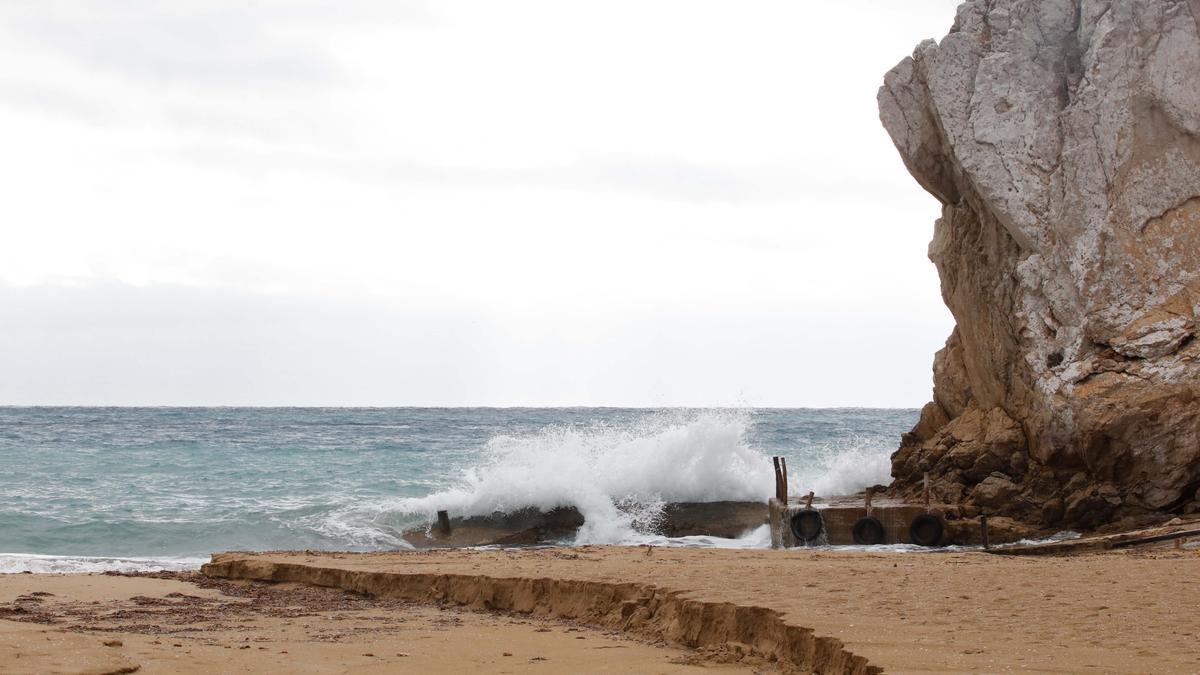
[1063, 139]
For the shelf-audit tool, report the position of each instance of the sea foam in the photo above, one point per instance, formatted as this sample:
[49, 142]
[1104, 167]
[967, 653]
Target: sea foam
[16, 563]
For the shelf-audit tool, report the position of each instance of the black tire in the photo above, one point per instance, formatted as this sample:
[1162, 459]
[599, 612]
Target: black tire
[926, 530]
[867, 531]
[807, 525]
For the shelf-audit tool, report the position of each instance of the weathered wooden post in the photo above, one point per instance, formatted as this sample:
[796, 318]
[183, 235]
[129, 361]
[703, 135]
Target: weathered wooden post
[778, 479]
[983, 532]
[443, 522]
[783, 472]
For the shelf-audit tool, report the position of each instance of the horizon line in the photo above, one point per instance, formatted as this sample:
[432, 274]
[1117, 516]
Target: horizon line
[18, 406]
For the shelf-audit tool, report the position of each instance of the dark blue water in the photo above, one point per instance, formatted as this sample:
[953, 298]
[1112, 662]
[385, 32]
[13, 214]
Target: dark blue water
[183, 482]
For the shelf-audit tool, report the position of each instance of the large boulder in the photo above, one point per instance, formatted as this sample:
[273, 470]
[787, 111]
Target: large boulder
[1062, 138]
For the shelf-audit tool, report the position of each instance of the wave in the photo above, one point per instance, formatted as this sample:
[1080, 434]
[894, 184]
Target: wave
[621, 476]
[843, 468]
[17, 563]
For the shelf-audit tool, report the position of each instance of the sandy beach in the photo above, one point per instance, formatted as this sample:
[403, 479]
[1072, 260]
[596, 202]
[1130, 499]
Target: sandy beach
[545, 610]
[185, 623]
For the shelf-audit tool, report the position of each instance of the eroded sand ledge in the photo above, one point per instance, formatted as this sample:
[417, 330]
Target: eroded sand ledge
[184, 622]
[641, 609]
[1116, 611]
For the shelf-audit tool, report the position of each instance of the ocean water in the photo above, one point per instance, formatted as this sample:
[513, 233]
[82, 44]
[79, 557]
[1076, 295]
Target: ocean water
[87, 489]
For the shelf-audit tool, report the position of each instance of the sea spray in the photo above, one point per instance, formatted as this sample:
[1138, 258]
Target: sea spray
[619, 477]
[843, 467]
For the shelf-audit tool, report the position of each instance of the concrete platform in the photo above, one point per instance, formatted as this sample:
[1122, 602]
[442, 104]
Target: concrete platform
[838, 515]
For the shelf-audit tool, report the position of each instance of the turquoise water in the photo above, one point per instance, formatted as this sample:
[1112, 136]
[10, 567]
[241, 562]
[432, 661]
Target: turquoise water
[175, 484]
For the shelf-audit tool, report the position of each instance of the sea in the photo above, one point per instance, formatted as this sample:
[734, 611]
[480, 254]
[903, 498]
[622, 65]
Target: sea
[125, 489]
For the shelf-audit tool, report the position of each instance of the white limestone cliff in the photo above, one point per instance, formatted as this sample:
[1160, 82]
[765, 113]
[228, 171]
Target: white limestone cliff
[1063, 139]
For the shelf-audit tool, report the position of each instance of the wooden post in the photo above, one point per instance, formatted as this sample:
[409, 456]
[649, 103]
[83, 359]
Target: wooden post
[778, 479]
[783, 472]
[870, 492]
[925, 491]
[808, 500]
[983, 532]
[443, 522]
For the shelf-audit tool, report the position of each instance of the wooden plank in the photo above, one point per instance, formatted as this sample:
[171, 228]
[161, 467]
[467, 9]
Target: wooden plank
[1094, 544]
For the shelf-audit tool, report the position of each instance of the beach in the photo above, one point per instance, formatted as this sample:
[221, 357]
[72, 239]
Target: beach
[179, 622]
[596, 337]
[679, 609]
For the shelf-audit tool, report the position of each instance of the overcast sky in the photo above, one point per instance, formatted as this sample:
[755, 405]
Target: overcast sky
[461, 203]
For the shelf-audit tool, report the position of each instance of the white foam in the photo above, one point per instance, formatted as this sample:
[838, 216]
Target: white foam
[842, 469]
[759, 537]
[618, 477]
[356, 526]
[16, 563]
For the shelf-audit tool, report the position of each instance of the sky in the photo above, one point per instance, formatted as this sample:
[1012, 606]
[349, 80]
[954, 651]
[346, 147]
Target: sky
[644, 203]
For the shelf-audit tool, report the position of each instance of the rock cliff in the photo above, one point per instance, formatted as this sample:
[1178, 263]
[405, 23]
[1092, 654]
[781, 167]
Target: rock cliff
[1062, 138]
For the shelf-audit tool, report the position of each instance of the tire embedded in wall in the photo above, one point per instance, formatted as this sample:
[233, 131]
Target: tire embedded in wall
[807, 525]
[867, 531]
[926, 530]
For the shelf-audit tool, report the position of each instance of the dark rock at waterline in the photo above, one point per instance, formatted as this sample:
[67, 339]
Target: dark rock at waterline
[525, 527]
[531, 526]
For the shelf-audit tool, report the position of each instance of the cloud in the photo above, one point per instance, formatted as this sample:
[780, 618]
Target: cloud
[163, 345]
[210, 47]
[202, 43]
[658, 178]
[599, 166]
[56, 101]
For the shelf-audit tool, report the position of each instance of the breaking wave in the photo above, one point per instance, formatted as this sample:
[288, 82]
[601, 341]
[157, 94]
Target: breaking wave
[621, 477]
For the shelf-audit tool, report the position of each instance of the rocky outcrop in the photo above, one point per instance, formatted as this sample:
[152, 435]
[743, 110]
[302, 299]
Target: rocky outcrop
[1062, 138]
